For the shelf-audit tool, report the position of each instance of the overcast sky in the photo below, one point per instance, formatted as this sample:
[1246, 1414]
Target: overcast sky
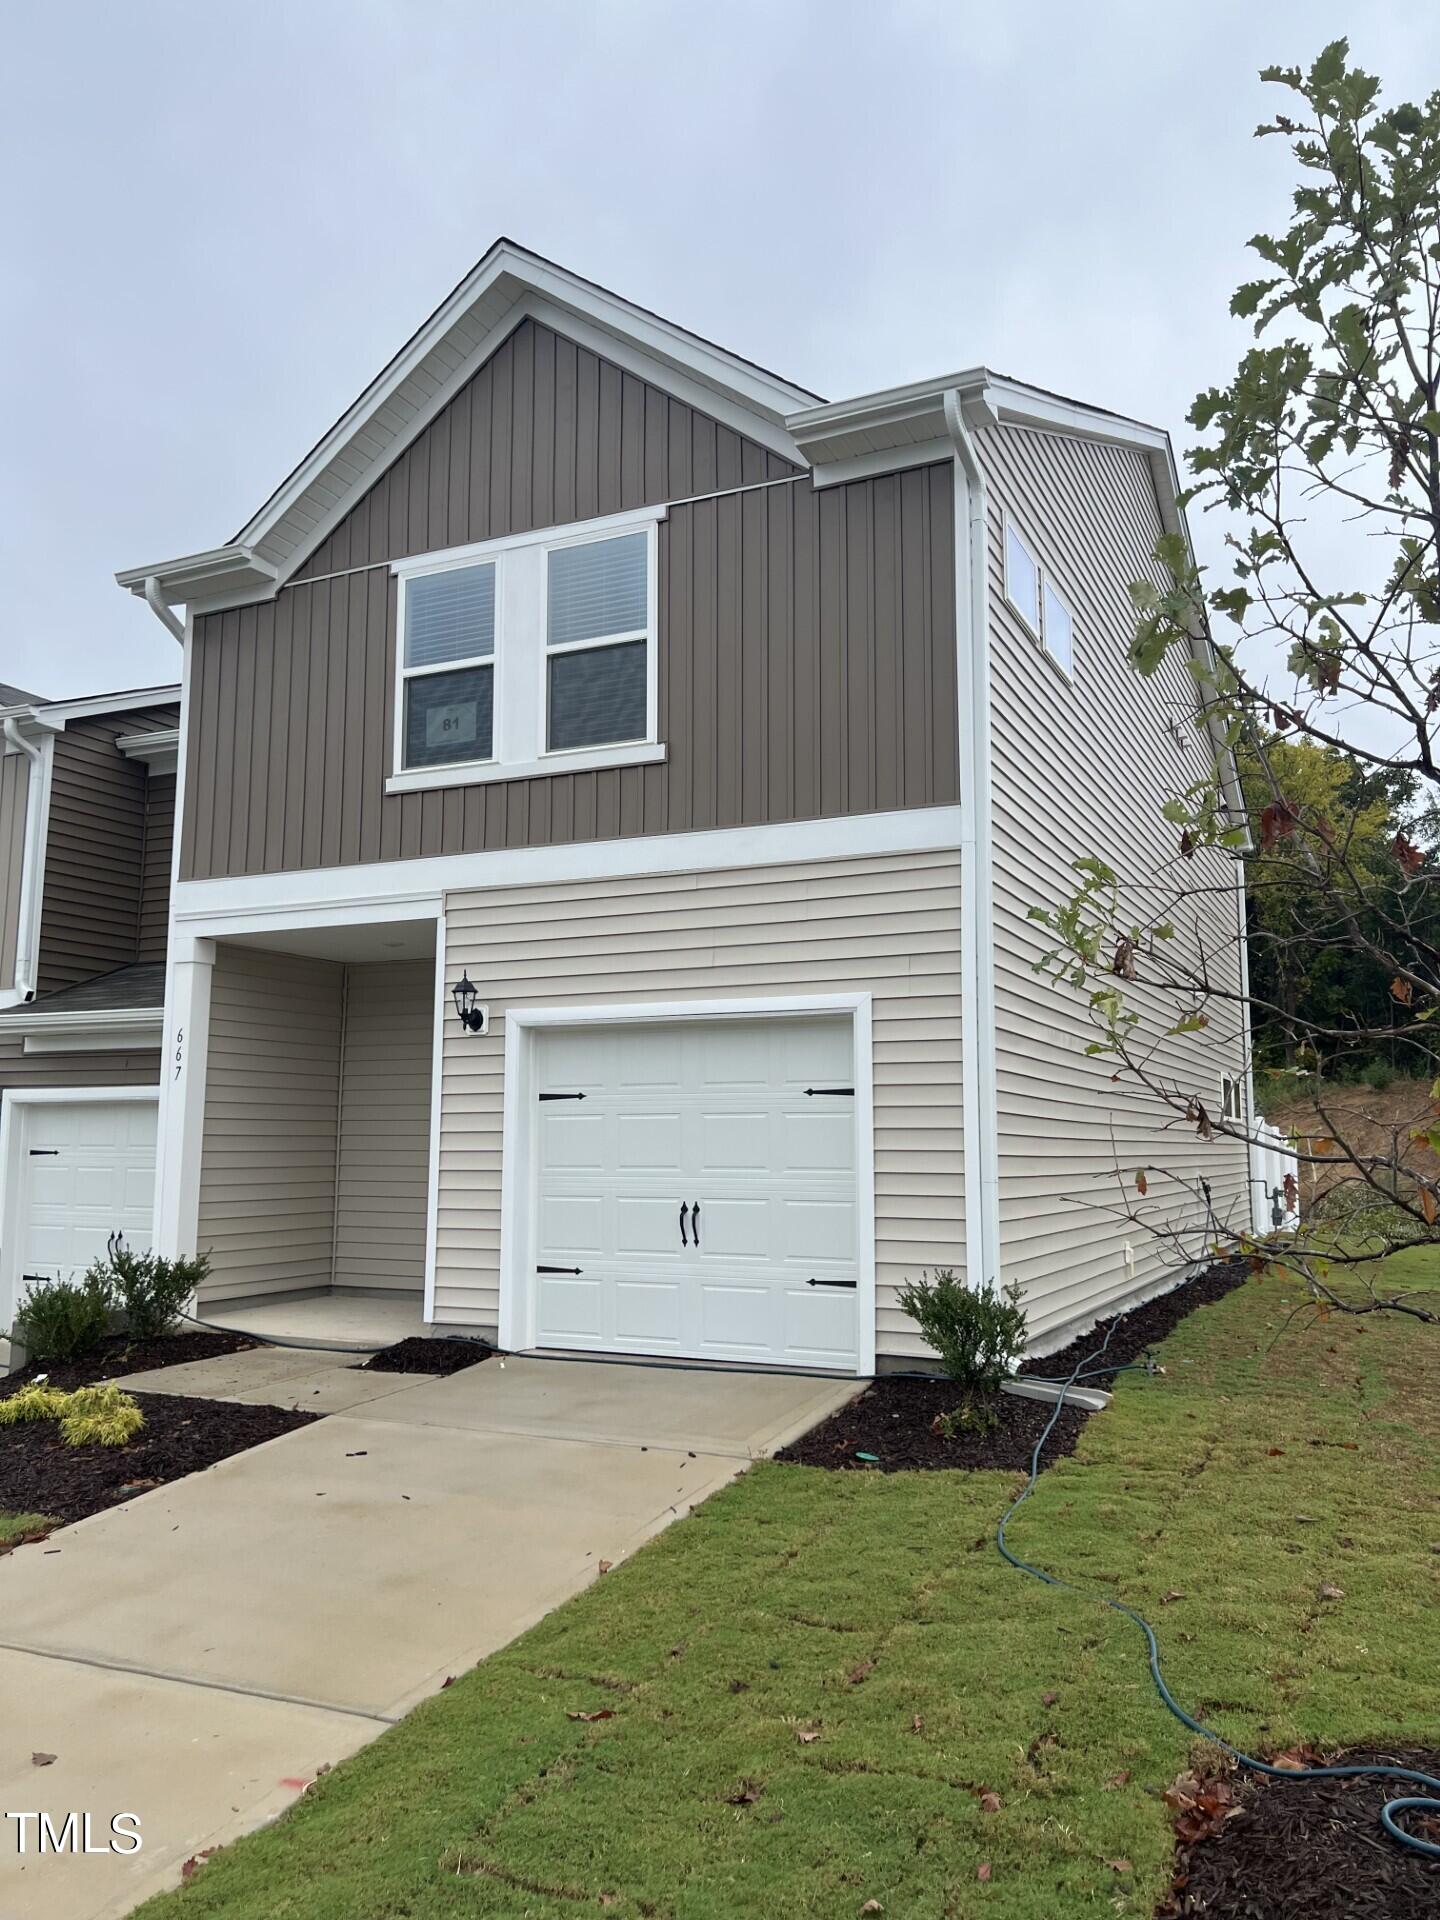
[220, 220]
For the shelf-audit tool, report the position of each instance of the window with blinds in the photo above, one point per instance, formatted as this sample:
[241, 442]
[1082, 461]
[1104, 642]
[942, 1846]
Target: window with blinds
[528, 655]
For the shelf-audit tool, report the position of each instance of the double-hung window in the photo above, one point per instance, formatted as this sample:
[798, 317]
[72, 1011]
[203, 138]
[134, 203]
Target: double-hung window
[1037, 600]
[529, 655]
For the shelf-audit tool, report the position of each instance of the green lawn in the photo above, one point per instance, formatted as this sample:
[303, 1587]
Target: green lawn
[813, 1678]
[15, 1527]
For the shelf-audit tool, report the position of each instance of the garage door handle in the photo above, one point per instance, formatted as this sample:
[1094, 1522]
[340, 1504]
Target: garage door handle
[695, 1222]
[559, 1269]
[684, 1210]
[41, 1153]
[851, 1284]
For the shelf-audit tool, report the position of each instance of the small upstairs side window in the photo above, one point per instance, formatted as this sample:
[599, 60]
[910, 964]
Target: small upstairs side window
[1232, 1097]
[1022, 578]
[529, 655]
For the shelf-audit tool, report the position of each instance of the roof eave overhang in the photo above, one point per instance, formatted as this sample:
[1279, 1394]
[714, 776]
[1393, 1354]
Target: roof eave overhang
[225, 575]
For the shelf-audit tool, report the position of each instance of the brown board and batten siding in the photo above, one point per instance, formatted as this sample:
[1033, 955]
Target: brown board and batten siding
[95, 850]
[137, 1067]
[155, 868]
[888, 926]
[1085, 769]
[806, 640]
[383, 1177]
[14, 800]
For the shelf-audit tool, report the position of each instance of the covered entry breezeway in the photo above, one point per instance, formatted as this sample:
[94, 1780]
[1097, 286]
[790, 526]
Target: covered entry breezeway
[315, 1152]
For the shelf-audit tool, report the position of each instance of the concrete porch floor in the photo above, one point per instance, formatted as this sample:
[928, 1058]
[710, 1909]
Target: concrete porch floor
[362, 1321]
[195, 1655]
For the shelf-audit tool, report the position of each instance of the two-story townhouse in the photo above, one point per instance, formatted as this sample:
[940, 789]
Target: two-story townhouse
[614, 784]
[87, 808]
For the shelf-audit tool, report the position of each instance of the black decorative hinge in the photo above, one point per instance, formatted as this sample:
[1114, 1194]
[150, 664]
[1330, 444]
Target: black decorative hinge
[559, 1269]
[562, 1096]
[812, 1091]
[851, 1284]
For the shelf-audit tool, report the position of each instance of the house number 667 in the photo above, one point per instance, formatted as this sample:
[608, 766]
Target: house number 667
[179, 1051]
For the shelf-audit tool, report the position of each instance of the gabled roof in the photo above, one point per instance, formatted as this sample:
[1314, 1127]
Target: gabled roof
[508, 285]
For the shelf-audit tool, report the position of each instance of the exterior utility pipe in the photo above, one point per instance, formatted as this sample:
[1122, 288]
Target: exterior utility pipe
[157, 605]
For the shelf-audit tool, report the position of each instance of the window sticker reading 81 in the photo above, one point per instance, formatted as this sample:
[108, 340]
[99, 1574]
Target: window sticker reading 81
[455, 725]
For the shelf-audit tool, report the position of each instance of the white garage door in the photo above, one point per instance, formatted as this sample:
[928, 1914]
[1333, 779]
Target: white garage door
[86, 1170]
[696, 1190]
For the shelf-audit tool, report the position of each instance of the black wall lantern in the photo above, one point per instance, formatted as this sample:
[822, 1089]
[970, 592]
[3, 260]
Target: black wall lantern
[474, 1019]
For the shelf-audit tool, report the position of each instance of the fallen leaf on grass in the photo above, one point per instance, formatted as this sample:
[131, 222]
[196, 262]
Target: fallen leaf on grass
[917, 1725]
[807, 1736]
[982, 1872]
[193, 1865]
[1168, 1599]
[600, 1713]
[989, 1800]
[42, 1759]
[605, 1566]
[1329, 1592]
[861, 1672]
[448, 1681]
[1121, 1779]
[1118, 1866]
[872, 1906]
[746, 1794]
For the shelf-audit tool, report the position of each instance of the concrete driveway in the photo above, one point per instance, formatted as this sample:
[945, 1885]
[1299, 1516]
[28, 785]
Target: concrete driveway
[195, 1656]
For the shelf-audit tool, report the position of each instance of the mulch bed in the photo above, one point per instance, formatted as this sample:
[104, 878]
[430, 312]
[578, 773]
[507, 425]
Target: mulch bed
[1306, 1849]
[40, 1474]
[119, 1355]
[1146, 1325]
[891, 1422]
[417, 1355]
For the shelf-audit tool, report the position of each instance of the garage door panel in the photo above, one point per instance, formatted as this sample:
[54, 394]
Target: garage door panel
[650, 1142]
[648, 1313]
[86, 1169]
[715, 1112]
[819, 1140]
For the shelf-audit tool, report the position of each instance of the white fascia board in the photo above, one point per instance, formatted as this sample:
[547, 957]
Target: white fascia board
[159, 748]
[235, 570]
[414, 889]
[85, 1022]
[58, 713]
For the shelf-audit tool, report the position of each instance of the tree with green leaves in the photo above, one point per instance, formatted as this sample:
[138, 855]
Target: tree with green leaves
[1320, 673]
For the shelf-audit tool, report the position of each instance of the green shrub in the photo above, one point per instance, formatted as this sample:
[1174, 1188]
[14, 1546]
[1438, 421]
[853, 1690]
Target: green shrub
[1379, 1076]
[149, 1289]
[61, 1320]
[1367, 1220]
[101, 1416]
[978, 1333]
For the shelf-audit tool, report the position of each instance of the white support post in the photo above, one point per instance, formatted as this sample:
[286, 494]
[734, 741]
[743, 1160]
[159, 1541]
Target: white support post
[182, 1096]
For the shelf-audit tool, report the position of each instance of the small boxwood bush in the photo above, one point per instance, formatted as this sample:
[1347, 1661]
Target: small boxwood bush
[978, 1333]
[60, 1320]
[148, 1289]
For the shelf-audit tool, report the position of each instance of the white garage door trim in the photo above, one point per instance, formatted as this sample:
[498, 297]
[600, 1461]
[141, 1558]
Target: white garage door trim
[14, 1127]
[517, 1170]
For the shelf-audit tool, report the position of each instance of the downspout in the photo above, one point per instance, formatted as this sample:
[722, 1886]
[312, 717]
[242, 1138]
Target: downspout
[977, 921]
[162, 612]
[33, 860]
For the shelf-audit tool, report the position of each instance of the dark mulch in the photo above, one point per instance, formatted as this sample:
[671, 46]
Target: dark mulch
[1146, 1325]
[40, 1474]
[1312, 1850]
[418, 1355]
[119, 1355]
[892, 1421]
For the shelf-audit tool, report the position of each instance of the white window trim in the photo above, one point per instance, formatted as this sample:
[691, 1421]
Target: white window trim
[518, 1145]
[1232, 1082]
[520, 719]
[1044, 580]
[1031, 625]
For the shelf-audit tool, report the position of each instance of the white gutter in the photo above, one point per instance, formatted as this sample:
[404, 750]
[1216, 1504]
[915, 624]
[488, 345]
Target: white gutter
[155, 600]
[977, 925]
[32, 872]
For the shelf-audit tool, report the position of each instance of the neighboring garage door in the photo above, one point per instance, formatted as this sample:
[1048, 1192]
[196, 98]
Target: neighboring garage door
[86, 1170]
[700, 1198]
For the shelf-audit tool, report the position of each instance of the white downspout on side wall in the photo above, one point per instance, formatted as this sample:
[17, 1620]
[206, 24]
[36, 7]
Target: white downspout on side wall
[32, 873]
[977, 920]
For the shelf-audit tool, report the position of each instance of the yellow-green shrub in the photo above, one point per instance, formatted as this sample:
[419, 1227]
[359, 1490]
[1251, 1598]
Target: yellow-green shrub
[100, 1416]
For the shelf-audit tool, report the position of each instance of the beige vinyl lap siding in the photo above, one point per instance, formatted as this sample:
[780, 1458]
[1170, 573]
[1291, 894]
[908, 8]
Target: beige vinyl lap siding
[890, 925]
[1086, 769]
[384, 1164]
[14, 799]
[267, 1167]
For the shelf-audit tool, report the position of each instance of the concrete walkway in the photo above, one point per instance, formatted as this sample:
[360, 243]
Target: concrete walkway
[196, 1655]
